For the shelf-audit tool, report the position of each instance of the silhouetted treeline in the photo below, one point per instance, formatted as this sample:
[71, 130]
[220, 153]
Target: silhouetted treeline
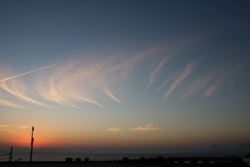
[69, 159]
[189, 161]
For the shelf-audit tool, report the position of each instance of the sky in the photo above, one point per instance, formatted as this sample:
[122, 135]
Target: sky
[136, 76]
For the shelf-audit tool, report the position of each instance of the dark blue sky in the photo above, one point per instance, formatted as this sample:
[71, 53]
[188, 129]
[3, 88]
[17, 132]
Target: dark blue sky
[67, 26]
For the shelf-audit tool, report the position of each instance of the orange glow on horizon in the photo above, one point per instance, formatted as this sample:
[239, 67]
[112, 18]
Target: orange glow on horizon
[47, 138]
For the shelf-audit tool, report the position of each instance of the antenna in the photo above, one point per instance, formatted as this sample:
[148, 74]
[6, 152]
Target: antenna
[10, 156]
[31, 144]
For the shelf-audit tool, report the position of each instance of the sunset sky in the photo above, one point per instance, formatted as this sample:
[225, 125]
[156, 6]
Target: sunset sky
[124, 75]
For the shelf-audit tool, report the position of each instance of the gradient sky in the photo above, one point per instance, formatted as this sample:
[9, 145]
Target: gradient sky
[124, 75]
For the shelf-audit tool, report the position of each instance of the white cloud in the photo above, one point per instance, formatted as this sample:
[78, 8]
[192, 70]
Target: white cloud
[114, 129]
[148, 127]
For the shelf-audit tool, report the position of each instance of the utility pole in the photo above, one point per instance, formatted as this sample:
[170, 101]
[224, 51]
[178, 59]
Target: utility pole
[31, 146]
[10, 156]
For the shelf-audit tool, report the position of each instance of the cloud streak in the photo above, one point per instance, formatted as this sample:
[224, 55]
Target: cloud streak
[156, 71]
[208, 83]
[110, 95]
[19, 75]
[179, 80]
[215, 86]
[197, 86]
[8, 103]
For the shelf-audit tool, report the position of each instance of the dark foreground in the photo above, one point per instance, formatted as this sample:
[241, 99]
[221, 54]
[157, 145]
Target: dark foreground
[142, 162]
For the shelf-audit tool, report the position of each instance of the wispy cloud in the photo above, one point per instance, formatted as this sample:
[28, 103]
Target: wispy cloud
[148, 127]
[74, 81]
[216, 85]
[219, 77]
[23, 126]
[179, 80]
[156, 71]
[86, 79]
[17, 89]
[12, 128]
[4, 126]
[211, 80]
[110, 94]
[95, 80]
[90, 100]
[9, 104]
[168, 80]
[114, 129]
[211, 89]
[197, 86]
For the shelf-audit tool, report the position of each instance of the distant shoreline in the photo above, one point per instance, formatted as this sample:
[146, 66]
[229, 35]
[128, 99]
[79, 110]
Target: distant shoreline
[60, 156]
[142, 162]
